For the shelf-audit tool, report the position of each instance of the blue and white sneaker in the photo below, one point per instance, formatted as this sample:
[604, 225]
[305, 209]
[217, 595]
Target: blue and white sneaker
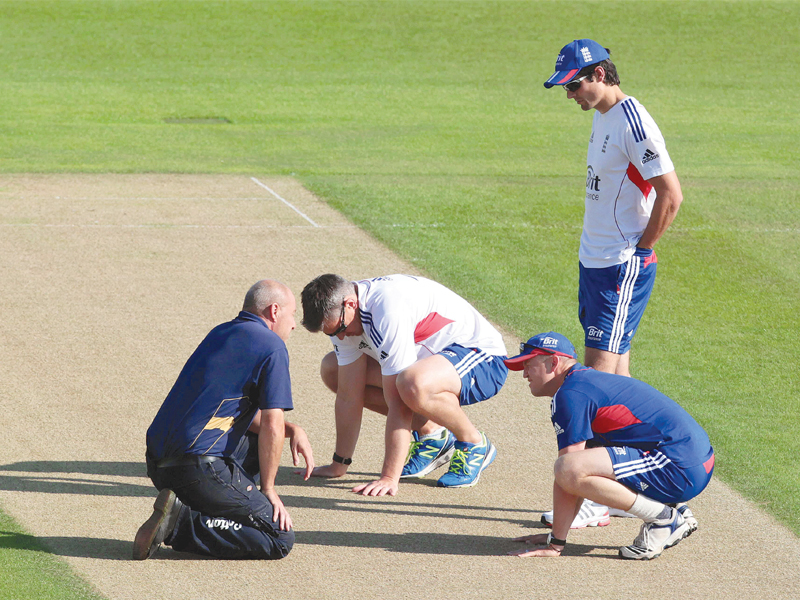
[657, 536]
[428, 454]
[468, 462]
[688, 516]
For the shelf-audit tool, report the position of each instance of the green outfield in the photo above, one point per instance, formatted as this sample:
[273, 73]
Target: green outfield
[426, 123]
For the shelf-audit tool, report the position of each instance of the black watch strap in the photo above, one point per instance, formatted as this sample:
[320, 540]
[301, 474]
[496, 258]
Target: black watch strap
[340, 460]
[554, 540]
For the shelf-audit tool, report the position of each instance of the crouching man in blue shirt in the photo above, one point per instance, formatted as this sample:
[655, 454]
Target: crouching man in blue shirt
[221, 427]
[647, 455]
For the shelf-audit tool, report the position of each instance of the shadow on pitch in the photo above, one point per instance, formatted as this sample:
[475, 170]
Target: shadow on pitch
[66, 477]
[436, 543]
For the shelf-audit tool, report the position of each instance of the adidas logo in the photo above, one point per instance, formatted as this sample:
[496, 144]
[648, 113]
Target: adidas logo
[648, 156]
[363, 345]
[384, 354]
[643, 486]
[558, 428]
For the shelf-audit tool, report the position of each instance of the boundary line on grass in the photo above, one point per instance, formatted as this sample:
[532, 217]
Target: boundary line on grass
[286, 202]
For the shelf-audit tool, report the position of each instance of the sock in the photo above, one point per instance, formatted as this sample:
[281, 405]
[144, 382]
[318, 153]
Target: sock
[649, 510]
[438, 434]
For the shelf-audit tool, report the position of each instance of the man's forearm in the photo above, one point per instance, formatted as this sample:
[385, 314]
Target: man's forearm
[668, 201]
[349, 412]
[398, 437]
[270, 446]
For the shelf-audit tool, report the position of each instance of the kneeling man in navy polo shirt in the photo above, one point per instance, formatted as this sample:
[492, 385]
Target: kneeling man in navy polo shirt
[648, 456]
[221, 427]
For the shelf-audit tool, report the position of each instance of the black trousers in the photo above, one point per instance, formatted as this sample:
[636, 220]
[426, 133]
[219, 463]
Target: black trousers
[225, 515]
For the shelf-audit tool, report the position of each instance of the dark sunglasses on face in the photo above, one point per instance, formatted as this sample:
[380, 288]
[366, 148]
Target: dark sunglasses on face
[573, 85]
[341, 327]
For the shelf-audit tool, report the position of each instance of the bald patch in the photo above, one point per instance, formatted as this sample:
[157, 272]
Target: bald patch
[264, 294]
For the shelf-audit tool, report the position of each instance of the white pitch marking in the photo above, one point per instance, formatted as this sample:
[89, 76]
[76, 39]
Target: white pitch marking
[167, 226]
[286, 202]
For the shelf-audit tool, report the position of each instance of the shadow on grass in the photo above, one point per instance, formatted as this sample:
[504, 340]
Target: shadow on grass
[100, 548]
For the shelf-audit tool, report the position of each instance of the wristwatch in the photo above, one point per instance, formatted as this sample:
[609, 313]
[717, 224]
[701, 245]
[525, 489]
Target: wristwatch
[340, 460]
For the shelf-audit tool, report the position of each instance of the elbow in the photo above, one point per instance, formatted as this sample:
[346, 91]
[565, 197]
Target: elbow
[676, 201]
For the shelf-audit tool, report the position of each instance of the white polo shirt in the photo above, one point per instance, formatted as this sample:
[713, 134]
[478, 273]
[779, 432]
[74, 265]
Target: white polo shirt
[625, 150]
[408, 318]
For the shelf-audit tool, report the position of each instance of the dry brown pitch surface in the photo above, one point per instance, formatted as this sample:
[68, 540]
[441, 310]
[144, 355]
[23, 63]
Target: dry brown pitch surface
[109, 283]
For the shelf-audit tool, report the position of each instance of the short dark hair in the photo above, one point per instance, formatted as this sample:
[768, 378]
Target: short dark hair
[321, 297]
[611, 77]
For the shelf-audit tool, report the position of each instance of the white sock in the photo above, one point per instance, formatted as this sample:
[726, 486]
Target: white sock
[649, 510]
[439, 433]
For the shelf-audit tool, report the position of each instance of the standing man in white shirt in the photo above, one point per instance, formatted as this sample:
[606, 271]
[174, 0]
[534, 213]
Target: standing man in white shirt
[415, 351]
[632, 197]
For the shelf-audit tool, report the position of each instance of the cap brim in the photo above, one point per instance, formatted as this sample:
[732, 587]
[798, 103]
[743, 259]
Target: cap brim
[561, 78]
[515, 363]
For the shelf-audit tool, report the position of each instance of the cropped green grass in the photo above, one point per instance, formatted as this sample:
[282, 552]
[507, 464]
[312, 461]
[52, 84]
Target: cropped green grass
[426, 123]
[28, 570]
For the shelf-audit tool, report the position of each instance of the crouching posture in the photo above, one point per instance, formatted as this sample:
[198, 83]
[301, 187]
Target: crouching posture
[220, 428]
[648, 455]
[413, 350]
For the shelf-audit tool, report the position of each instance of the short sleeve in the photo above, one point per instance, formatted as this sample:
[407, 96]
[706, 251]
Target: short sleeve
[644, 144]
[346, 352]
[397, 350]
[274, 383]
[571, 416]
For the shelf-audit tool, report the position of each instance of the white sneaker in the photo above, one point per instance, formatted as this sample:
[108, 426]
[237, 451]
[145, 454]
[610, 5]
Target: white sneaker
[688, 516]
[591, 514]
[656, 537]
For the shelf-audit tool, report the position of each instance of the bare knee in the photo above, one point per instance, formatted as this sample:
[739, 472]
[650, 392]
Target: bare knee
[568, 472]
[329, 371]
[409, 387]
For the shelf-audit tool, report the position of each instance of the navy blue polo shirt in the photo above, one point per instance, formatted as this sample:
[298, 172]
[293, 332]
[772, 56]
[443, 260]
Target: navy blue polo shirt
[239, 367]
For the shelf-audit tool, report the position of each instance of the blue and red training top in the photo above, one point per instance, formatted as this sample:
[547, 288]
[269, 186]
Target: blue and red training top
[613, 410]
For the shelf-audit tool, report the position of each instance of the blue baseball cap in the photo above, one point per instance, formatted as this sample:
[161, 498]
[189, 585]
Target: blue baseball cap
[543, 343]
[573, 57]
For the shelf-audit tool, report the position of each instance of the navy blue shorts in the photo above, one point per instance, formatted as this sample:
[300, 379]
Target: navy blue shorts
[652, 474]
[611, 301]
[482, 375]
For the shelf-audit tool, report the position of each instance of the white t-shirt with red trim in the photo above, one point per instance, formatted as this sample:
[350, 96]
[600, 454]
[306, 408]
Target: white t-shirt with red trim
[407, 318]
[625, 150]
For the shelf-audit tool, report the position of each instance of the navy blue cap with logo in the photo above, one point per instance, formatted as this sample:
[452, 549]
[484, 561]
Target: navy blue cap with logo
[542, 343]
[573, 57]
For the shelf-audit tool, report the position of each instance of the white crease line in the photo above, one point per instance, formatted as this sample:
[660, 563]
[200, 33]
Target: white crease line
[170, 226]
[139, 198]
[286, 202]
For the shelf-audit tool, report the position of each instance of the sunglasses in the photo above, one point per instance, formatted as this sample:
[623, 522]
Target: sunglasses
[573, 85]
[532, 350]
[341, 327]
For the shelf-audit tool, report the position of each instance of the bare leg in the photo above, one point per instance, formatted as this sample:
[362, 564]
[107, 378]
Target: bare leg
[590, 474]
[430, 387]
[373, 392]
[603, 360]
